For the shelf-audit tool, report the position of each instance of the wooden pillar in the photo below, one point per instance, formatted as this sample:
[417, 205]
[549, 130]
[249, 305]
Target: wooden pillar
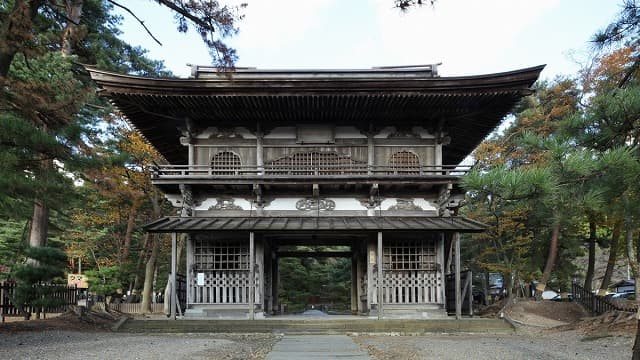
[442, 293]
[259, 270]
[456, 239]
[354, 280]
[191, 154]
[275, 279]
[380, 266]
[252, 277]
[190, 274]
[259, 149]
[174, 265]
[370, 150]
[360, 274]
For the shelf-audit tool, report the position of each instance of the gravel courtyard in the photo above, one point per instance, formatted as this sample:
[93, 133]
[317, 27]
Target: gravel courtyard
[534, 344]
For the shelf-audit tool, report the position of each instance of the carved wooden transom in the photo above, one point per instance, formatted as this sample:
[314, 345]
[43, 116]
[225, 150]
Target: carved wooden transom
[315, 162]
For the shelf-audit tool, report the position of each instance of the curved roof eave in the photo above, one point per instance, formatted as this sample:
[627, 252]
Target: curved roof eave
[339, 81]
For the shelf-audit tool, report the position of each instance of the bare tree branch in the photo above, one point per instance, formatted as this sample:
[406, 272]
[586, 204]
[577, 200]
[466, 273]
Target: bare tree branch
[135, 17]
[186, 14]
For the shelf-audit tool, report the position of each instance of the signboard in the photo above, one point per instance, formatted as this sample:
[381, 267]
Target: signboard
[79, 280]
[200, 279]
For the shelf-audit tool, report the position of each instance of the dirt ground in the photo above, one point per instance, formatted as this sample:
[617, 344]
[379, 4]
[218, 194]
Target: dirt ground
[94, 321]
[545, 313]
[545, 330]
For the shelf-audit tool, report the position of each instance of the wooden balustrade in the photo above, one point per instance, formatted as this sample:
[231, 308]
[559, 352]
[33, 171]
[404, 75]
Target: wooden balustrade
[169, 171]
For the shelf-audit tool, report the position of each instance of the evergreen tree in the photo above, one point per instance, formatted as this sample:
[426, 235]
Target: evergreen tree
[36, 281]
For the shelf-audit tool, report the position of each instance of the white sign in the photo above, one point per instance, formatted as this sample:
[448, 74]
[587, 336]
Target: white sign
[200, 279]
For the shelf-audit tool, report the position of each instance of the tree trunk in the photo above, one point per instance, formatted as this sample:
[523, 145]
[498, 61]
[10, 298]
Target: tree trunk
[141, 260]
[131, 223]
[613, 257]
[39, 224]
[182, 241]
[74, 12]
[588, 279]
[551, 260]
[40, 219]
[147, 291]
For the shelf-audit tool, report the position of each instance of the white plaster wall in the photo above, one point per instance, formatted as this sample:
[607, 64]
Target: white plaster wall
[282, 132]
[290, 204]
[174, 199]
[348, 132]
[282, 204]
[422, 132]
[245, 133]
[243, 203]
[387, 203]
[206, 204]
[211, 131]
[424, 204]
[348, 204]
[385, 132]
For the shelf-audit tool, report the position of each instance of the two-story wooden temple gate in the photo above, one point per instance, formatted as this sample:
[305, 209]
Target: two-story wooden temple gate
[261, 160]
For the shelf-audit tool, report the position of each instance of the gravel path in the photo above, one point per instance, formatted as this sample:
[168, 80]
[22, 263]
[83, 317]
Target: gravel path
[527, 345]
[74, 345]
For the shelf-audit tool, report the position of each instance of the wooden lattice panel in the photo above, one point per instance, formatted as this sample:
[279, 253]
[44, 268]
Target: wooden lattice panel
[404, 162]
[224, 287]
[315, 163]
[409, 287]
[225, 163]
[220, 255]
[410, 255]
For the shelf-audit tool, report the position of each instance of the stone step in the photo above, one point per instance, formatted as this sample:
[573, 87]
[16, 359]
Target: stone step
[474, 325]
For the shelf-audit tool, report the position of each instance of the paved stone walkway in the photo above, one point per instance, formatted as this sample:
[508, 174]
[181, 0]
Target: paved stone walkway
[316, 347]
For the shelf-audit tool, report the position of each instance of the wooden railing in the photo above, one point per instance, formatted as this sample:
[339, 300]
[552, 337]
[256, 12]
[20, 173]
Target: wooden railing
[599, 304]
[198, 171]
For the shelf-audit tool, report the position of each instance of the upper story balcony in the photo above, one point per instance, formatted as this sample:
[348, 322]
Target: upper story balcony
[316, 174]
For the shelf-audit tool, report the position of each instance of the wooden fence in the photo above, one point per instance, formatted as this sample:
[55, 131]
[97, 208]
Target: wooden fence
[600, 304]
[157, 307]
[68, 295]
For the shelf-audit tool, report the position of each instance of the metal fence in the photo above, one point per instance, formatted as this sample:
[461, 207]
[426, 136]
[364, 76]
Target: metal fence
[600, 304]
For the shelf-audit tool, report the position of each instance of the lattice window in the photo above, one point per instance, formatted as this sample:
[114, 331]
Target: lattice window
[220, 255]
[225, 163]
[404, 162]
[410, 255]
[315, 163]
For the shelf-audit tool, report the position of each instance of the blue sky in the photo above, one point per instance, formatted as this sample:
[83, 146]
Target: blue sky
[467, 36]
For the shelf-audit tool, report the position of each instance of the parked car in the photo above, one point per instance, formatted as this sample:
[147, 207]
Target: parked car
[624, 295]
[559, 297]
[549, 295]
